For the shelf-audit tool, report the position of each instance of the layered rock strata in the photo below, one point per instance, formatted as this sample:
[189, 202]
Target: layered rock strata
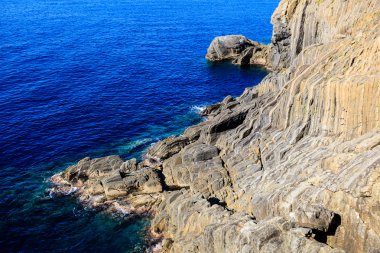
[292, 165]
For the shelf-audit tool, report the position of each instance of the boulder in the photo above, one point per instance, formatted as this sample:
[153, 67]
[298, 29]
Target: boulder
[227, 47]
[314, 216]
[239, 50]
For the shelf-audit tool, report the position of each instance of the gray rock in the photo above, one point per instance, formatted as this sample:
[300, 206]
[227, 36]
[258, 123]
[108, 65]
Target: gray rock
[168, 147]
[227, 47]
[314, 216]
[199, 153]
[88, 168]
[128, 166]
[114, 186]
[239, 50]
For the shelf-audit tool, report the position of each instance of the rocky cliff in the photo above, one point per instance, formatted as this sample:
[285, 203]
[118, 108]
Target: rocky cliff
[292, 165]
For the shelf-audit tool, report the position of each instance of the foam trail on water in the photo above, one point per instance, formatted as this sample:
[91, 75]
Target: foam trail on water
[134, 144]
[198, 108]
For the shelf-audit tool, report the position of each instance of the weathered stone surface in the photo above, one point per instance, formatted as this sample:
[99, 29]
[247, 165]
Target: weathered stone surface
[109, 178]
[227, 47]
[193, 133]
[128, 166]
[212, 110]
[88, 168]
[239, 50]
[114, 186]
[314, 216]
[191, 223]
[199, 153]
[168, 147]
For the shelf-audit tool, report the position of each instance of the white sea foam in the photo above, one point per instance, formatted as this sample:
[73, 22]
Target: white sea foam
[121, 209]
[198, 108]
[157, 247]
[62, 190]
[72, 190]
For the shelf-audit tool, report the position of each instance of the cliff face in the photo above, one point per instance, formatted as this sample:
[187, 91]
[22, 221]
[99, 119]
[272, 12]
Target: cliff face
[333, 51]
[292, 165]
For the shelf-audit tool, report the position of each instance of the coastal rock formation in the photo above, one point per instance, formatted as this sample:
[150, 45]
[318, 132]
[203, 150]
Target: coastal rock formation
[292, 165]
[192, 223]
[239, 50]
[99, 181]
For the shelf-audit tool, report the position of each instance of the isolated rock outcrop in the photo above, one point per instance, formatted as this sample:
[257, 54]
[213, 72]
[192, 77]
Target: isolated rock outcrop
[239, 50]
[292, 165]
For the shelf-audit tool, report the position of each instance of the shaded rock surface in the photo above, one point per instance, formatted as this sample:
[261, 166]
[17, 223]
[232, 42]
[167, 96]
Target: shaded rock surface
[292, 165]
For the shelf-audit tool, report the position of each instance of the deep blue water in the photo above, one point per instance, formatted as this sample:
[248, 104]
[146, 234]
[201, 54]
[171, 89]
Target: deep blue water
[97, 77]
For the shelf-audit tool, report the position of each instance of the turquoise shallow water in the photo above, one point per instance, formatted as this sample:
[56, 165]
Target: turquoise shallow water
[93, 78]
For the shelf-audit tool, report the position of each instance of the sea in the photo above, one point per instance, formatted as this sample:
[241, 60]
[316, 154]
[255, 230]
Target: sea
[103, 77]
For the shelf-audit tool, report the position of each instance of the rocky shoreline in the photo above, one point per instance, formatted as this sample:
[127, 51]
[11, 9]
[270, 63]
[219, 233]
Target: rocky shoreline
[292, 165]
